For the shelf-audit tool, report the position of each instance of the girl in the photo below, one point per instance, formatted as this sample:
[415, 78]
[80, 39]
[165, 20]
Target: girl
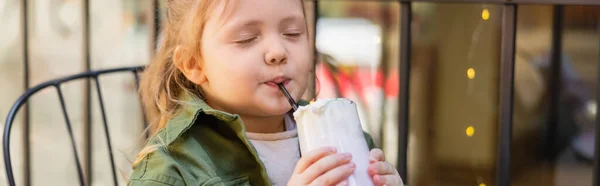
[212, 91]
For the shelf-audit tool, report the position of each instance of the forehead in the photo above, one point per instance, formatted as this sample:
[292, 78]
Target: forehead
[232, 12]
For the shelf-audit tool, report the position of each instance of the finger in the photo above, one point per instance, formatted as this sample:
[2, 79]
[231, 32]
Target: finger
[377, 155]
[311, 157]
[381, 168]
[388, 180]
[344, 183]
[326, 164]
[335, 176]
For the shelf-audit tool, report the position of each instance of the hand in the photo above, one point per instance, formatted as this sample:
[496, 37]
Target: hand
[322, 166]
[382, 172]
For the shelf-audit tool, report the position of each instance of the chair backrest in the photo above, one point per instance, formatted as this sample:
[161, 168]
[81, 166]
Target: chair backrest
[23, 99]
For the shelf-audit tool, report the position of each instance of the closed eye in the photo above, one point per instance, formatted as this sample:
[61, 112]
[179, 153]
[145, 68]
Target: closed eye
[246, 41]
[293, 34]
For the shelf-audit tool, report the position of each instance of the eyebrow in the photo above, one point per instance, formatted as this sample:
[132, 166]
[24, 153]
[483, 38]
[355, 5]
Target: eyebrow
[236, 24]
[250, 23]
[292, 18]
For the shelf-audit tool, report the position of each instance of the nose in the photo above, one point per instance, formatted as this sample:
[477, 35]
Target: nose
[276, 53]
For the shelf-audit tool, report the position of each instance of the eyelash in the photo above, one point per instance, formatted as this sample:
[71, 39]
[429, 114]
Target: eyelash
[249, 40]
[293, 34]
[246, 41]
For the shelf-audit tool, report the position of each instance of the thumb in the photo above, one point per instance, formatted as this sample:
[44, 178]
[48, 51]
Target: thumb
[376, 155]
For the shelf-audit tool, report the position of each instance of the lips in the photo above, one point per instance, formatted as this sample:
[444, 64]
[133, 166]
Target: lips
[278, 80]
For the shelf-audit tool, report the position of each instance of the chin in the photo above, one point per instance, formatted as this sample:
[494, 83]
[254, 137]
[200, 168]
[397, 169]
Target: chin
[275, 108]
[279, 110]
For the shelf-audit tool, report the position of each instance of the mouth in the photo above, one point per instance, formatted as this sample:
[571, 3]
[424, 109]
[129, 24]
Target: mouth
[278, 80]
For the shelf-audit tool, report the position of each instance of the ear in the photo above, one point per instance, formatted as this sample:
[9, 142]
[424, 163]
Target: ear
[188, 64]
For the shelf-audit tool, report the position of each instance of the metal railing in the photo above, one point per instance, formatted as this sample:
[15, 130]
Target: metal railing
[57, 84]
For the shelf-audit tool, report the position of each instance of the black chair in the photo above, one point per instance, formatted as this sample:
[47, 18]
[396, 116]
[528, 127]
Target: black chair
[56, 84]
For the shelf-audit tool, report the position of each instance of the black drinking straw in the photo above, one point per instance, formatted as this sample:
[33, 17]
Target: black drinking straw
[288, 96]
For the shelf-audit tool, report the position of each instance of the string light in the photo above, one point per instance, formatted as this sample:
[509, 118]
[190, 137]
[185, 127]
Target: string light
[485, 14]
[471, 73]
[470, 132]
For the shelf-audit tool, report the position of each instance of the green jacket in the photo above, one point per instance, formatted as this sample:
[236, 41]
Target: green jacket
[202, 146]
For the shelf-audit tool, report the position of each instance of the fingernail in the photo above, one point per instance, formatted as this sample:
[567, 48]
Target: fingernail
[345, 183]
[377, 179]
[332, 149]
[352, 165]
[347, 156]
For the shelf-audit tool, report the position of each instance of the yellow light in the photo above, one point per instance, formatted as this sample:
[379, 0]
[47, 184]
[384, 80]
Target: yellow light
[470, 132]
[482, 184]
[471, 73]
[485, 14]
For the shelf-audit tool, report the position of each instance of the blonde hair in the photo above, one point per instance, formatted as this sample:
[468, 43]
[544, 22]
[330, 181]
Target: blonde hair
[162, 82]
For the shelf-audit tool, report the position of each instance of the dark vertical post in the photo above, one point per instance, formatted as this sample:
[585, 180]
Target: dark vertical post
[154, 25]
[87, 102]
[26, 117]
[507, 67]
[157, 18]
[555, 83]
[596, 174]
[316, 52]
[386, 24]
[403, 98]
[154, 38]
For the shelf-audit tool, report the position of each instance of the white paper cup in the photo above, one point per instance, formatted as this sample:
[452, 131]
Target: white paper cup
[335, 123]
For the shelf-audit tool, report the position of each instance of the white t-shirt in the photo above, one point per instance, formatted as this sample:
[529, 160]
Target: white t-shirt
[279, 152]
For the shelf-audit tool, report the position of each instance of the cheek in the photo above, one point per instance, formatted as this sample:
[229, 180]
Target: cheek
[303, 61]
[302, 66]
[228, 69]
[227, 83]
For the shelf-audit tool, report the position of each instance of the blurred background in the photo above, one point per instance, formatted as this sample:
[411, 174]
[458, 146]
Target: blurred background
[454, 85]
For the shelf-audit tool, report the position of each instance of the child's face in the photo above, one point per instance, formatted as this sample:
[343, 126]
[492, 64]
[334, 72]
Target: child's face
[258, 44]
